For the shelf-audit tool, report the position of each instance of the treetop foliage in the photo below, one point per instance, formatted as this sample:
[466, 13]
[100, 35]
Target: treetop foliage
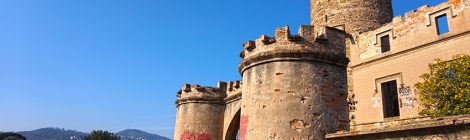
[445, 89]
[11, 136]
[101, 135]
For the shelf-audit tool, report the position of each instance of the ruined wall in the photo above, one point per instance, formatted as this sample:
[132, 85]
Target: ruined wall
[294, 87]
[200, 112]
[446, 128]
[414, 43]
[355, 15]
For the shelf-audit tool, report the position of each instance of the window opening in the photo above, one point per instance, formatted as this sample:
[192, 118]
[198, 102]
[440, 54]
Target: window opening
[385, 43]
[442, 24]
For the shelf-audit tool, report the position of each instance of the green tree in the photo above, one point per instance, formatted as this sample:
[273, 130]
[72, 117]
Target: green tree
[101, 135]
[445, 90]
[11, 136]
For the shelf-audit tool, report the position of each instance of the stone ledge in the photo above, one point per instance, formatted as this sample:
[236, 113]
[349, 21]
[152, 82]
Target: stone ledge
[401, 125]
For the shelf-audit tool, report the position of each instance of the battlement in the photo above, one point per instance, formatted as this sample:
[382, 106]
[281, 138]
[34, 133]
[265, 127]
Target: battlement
[416, 28]
[326, 45]
[233, 87]
[425, 14]
[282, 35]
[234, 91]
[202, 94]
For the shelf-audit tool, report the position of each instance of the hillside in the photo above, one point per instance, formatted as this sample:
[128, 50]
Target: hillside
[63, 134]
[135, 134]
[52, 134]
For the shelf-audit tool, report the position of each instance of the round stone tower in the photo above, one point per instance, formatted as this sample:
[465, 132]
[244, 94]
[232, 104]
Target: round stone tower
[352, 15]
[200, 112]
[294, 85]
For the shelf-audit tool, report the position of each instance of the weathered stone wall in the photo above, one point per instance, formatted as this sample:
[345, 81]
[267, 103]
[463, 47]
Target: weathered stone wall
[446, 128]
[232, 109]
[294, 87]
[200, 113]
[414, 43]
[355, 15]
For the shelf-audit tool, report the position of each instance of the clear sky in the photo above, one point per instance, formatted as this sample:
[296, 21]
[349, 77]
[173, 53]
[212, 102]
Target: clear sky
[117, 64]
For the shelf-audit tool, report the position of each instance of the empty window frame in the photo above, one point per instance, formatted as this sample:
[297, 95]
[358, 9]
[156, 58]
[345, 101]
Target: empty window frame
[385, 43]
[390, 99]
[442, 24]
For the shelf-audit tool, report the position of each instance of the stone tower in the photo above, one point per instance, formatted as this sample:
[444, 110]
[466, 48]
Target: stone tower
[200, 112]
[352, 15]
[294, 85]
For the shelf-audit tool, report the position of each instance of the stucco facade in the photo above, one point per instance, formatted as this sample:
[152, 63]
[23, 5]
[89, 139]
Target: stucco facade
[414, 43]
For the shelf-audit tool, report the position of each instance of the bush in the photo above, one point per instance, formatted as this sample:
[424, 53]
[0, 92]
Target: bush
[445, 90]
[11, 136]
[101, 135]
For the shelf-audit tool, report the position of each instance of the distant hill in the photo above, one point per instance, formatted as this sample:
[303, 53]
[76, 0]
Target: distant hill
[135, 134]
[62, 134]
[52, 134]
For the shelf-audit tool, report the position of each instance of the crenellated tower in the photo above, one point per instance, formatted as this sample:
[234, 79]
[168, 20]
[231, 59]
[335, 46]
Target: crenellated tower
[351, 15]
[299, 87]
[200, 112]
[294, 86]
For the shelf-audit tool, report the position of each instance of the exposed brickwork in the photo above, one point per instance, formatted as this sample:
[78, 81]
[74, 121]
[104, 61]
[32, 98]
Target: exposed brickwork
[302, 86]
[414, 44]
[304, 75]
[353, 16]
[356, 15]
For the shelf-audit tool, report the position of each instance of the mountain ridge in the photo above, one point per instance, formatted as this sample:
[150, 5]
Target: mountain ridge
[53, 133]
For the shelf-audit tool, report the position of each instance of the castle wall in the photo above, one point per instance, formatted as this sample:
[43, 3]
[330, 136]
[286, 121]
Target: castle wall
[200, 113]
[298, 86]
[278, 106]
[352, 15]
[294, 87]
[414, 44]
[199, 121]
[232, 110]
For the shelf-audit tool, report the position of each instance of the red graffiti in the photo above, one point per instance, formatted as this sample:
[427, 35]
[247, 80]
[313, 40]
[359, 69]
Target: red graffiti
[243, 126]
[188, 135]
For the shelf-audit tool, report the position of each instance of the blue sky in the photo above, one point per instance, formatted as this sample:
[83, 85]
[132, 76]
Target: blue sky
[117, 64]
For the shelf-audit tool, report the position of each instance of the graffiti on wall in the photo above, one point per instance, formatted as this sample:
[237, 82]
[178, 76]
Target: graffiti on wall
[407, 97]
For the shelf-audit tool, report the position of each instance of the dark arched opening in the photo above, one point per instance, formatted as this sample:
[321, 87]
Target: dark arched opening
[233, 131]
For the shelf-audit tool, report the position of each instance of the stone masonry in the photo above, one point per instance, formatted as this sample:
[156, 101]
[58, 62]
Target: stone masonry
[200, 112]
[326, 82]
[300, 74]
[354, 16]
